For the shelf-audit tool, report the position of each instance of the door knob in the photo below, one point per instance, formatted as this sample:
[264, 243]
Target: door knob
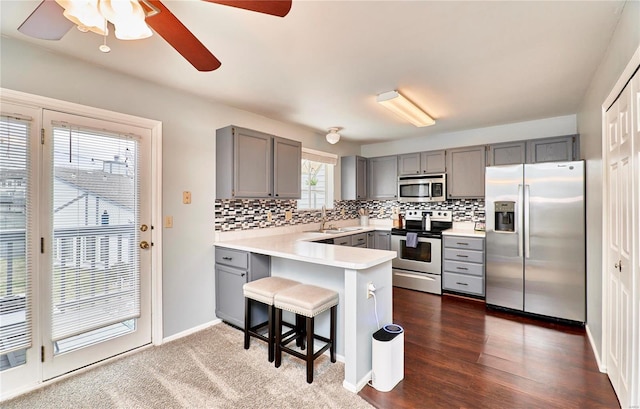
[618, 266]
[144, 227]
[144, 245]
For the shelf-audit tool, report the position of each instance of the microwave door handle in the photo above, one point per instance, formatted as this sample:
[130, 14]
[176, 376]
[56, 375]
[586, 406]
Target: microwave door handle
[518, 226]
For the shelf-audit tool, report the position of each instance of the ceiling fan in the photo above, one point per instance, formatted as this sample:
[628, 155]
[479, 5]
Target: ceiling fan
[47, 22]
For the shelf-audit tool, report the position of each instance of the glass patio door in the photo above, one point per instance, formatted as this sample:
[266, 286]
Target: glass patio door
[96, 246]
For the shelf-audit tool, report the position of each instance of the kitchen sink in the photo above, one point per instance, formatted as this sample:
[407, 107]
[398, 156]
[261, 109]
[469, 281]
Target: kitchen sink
[335, 231]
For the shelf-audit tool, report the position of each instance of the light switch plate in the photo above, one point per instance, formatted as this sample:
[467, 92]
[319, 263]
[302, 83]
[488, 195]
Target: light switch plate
[168, 222]
[186, 197]
[288, 215]
[269, 216]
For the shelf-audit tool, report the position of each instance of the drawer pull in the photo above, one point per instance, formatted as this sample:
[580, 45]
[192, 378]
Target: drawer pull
[459, 283]
[461, 255]
[242, 275]
[360, 239]
[462, 268]
[463, 244]
[227, 258]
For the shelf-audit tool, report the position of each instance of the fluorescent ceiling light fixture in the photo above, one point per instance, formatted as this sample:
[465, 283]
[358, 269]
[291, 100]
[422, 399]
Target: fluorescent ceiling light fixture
[405, 109]
[333, 136]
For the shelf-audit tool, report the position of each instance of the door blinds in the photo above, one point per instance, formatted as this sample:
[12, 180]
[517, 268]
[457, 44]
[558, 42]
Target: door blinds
[16, 265]
[96, 261]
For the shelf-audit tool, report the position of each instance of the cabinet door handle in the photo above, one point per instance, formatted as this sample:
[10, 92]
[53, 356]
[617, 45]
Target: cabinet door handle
[462, 268]
[459, 283]
[463, 244]
[227, 258]
[242, 275]
[461, 255]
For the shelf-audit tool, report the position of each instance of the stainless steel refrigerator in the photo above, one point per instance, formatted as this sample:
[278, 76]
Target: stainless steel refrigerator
[535, 237]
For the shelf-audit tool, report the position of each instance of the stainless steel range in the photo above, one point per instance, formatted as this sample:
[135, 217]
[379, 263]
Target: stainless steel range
[418, 265]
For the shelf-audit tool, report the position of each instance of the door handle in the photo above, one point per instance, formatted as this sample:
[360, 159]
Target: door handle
[527, 198]
[144, 245]
[618, 266]
[518, 227]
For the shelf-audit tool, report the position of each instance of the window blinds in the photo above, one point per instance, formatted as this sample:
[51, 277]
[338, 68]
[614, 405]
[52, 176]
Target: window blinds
[16, 265]
[95, 240]
[318, 156]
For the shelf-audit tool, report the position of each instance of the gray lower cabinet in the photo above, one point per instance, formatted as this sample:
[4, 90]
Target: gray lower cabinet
[383, 177]
[233, 269]
[343, 241]
[463, 267]
[382, 240]
[465, 172]
[252, 164]
[359, 240]
[371, 240]
[353, 177]
[564, 148]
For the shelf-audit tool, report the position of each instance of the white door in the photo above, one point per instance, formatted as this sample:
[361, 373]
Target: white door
[96, 249]
[619, 209]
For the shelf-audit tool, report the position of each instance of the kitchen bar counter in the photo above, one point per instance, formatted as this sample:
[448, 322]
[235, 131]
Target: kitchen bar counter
[347, 270]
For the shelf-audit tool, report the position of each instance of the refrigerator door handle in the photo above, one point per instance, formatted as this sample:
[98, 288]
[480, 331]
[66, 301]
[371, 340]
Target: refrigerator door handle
[518, 227]
[527, 194]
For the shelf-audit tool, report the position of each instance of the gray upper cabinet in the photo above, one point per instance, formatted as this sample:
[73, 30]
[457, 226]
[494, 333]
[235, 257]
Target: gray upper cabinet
[383, 177]
[465, 172]
[252, 164]
[433, 162]
[287, 159]
[511, 153]
[353, 177]
[421, 163]
[563, 148]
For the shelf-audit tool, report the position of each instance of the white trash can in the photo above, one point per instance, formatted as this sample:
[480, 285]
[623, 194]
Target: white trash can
[387, 360]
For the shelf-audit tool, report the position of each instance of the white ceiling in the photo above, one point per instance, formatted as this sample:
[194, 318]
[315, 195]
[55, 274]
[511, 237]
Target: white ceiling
[468, 64]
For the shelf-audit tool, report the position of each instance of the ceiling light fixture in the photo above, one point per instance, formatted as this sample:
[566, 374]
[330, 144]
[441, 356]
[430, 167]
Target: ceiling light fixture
[333, 136]
[127, 16]
[405, 109]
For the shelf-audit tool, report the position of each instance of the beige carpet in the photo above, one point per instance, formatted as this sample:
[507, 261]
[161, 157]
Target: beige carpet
[209, 369]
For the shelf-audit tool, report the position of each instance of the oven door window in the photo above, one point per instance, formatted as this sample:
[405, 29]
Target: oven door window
[422, 252]
[414, 190]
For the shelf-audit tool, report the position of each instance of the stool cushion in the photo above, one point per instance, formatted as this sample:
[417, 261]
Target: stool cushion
[307, 300]
[264, 289]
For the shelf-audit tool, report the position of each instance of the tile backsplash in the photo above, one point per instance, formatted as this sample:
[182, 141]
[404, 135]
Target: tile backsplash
[248, 214]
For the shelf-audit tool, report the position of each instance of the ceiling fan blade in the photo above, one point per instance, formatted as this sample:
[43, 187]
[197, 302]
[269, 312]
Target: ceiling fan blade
[179, 37]
[46, 22]
[278, 8]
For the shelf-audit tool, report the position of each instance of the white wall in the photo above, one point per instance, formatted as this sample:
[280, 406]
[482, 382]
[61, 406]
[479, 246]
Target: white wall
[542, 128]
[188, 125]
[624, 42]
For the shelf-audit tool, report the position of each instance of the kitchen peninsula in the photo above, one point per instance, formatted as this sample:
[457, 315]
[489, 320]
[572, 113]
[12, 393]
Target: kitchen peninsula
[347, 270]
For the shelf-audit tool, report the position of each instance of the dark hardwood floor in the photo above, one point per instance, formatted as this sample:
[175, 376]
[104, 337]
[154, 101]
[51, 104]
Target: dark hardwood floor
[458, 354]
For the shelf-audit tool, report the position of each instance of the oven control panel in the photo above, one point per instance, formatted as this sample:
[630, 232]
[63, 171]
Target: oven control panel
[435, 215]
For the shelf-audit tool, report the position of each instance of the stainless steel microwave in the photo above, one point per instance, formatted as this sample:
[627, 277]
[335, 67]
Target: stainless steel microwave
[422, 188]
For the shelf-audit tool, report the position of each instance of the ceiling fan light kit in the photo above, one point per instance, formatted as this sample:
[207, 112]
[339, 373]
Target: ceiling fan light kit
[133, 20]
[333, 136]
[404, 109]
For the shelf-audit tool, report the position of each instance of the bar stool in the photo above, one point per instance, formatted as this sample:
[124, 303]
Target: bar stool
[307, 301]
[263, 290]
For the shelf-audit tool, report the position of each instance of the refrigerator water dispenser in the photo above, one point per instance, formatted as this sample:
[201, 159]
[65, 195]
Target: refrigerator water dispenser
[504, 213]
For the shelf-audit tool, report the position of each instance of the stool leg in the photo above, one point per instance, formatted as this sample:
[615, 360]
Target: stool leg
[332, 332]
[300, 320]
[270, 332]
[247, 321]
[310, 329]
[278, 338]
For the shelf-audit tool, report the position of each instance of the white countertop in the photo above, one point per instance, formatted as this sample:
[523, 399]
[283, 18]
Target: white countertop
[299, 246]
[463, 229]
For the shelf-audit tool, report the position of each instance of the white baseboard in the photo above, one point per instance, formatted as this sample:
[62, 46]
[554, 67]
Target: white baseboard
[361, 383]
[601, 367]
[191, 331]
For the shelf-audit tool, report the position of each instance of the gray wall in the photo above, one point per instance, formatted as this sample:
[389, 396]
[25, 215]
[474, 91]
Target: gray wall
[189, 125]
[624, 43]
